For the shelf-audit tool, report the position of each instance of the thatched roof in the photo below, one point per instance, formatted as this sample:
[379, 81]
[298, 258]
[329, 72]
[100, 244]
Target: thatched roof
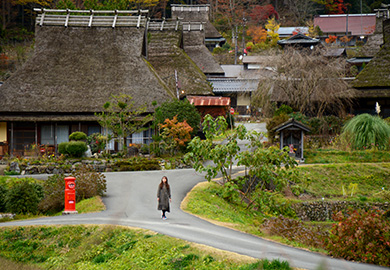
[76, 70]
[196, 13]
[165, 56]
[377, 73]
[194, 41]
[198, 52]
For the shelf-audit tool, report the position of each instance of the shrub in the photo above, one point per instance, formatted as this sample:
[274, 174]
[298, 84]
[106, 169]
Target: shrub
[76, 148]
[366, 131]
[182, 109]
[54, 190]
[294, 230]
[62, 148]
[361, 236]
[78, 136]
[137, 164]
[283, 109]
[274, 122]
[89, 183]
[24, 197]
[97, 142]
[3, 193]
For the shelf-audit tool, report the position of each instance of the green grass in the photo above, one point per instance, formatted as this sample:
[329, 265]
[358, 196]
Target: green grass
[205, 202]
[108, 247]
[329, 180]
[326, 156]
[90, 205]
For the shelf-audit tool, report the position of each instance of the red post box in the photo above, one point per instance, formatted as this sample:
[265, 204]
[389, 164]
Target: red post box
[70, 196]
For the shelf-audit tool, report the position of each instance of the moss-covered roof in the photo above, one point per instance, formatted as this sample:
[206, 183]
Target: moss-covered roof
[377, 73]
[165, 56]
[76, 69]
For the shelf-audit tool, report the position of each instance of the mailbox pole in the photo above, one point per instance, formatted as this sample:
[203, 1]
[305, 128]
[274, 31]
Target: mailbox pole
[70, 196]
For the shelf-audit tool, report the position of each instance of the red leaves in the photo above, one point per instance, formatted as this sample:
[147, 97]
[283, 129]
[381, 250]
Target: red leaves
[361, 236]
[260, 14]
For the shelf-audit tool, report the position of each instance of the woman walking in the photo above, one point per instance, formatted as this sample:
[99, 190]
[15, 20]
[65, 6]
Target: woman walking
[163, 196]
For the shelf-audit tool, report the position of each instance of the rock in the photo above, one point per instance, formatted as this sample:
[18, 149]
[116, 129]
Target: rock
[14, 166]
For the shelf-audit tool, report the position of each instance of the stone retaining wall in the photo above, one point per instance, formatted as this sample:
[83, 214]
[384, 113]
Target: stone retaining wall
[323, 210]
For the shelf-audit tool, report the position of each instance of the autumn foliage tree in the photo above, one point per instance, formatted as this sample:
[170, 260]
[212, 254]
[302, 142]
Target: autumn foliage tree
[175, 134]
[334, 6]
[260, 14]
[258, 33]
[330, 39]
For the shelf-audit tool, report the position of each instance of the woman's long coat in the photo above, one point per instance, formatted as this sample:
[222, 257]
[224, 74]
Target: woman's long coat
[164, 194]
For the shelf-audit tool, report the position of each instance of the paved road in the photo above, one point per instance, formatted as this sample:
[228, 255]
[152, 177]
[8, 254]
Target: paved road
[131, 201]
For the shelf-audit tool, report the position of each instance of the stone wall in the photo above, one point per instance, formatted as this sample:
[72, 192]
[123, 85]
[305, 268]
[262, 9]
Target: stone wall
[322, 211]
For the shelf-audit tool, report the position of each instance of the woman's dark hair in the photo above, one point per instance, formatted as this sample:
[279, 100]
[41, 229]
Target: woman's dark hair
[162, 183]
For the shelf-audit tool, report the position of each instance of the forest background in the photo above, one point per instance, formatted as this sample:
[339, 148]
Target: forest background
[17, 17]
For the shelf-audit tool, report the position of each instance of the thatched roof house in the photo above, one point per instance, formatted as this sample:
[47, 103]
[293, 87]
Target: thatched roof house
[199, 13]
[373, 82]
[74, 70]
[195, 21]
[165, 53]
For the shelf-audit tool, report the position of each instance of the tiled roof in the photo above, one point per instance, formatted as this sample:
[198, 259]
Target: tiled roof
[357, 25]
[233, 85]
[209, 101]
[288, 31]
[297, 39]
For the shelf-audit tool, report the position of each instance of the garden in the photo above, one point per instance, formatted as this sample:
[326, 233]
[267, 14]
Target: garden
[337, 203]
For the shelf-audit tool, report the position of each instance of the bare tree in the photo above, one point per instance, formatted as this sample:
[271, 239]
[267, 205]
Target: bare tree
[300, 10]
[308, 82]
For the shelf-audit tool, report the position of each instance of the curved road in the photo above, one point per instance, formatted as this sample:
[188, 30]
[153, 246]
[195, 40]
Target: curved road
[131, 201]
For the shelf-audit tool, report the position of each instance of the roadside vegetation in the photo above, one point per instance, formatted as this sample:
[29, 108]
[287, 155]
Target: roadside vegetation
[342, 189]
[320, 207]
[113, 247]
[109, 247]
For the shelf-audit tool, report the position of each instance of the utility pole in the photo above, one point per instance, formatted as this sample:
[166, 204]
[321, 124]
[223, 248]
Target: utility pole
[243, 32]
[177, 85]
[235, 36]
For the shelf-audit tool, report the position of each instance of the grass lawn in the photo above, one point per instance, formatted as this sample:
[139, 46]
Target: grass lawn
[327, 156]
[108, 247]
[337, 180]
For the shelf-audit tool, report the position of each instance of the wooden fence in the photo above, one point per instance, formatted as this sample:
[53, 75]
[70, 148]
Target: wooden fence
[91, 18]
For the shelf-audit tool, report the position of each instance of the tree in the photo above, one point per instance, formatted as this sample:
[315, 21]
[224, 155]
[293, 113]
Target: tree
[301, 10]
[258, 33]
[221, 155]
[269, 164]
[183, 110]
[123, 118]
[272, 26]
[308, 82]
[260, 14]
[175, 134]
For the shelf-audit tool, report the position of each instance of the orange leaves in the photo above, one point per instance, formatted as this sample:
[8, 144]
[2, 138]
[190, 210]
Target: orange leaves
[258, 33]
[175, 134]
[331, 39]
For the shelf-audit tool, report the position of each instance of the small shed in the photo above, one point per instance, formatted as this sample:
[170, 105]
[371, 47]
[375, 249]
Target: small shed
[291, 135]
[215, 106]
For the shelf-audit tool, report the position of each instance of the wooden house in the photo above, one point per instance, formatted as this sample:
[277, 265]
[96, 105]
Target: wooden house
[172, 63]
[373, 82]
[196, 24]
[78, 63]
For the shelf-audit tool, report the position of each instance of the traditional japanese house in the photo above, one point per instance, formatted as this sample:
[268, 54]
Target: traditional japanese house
[79, 61]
